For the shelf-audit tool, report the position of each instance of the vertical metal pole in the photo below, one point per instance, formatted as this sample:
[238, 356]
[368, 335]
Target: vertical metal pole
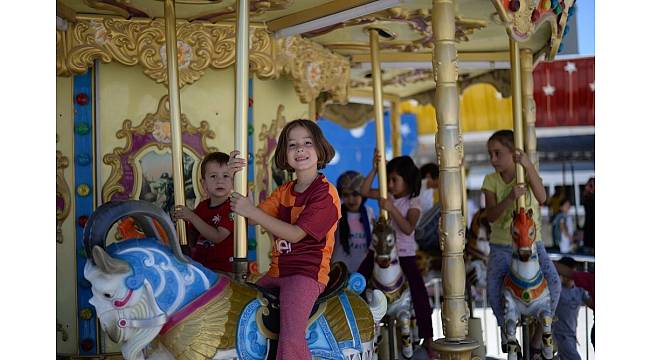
[175, 114]
[312, 110]
[240, 262]
[395, 128]
[515, 79]
[529, 108]
[455, 344]
[379, 115]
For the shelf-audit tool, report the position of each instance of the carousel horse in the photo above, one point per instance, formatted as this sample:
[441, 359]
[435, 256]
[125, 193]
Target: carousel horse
[157, 304]
[525, 289]
[477, 250]
[387, 276]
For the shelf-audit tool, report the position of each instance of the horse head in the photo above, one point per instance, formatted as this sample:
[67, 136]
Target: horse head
[137, 283]
[383, 240]
[524, 233]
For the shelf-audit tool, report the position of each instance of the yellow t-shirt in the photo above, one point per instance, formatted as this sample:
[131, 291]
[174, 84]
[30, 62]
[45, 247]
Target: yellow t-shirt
[500, 228]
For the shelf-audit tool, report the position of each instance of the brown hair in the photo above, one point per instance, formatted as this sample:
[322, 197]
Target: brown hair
[505, 137]
[324, 149]
[218, 157]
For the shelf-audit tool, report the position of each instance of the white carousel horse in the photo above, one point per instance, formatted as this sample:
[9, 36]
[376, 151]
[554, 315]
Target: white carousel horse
[387, 276]
[157, 304]
[525, 290]
[477, 250]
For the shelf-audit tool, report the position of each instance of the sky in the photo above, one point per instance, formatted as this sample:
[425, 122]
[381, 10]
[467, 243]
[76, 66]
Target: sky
[585, 18]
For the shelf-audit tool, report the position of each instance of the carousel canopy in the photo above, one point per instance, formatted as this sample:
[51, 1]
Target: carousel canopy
[340, 27]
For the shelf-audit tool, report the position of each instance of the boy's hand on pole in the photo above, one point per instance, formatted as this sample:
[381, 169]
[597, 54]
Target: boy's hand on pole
[235, 163]
[241, 205]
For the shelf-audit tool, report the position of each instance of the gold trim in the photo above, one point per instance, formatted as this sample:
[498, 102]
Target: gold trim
[368, 94]
[426, 57]
[378, 103]
[175, 114]
[65, 12]
[63, 191]
[257, 7]
[517, 116]
[314, 13]
[313, 69]
[241, 134]
[100, 5]
[520, 27]
[131, 42]
[414, 18]
[147, 125]
[449, 149]
[401, 79]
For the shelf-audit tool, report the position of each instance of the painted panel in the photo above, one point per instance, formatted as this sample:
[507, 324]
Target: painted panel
[126, 93]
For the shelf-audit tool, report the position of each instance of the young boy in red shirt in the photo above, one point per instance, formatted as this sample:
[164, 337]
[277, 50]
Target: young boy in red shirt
[210, 225]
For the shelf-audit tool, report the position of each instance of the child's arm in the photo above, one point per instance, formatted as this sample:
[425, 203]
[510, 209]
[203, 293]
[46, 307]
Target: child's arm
[367, 182]
[494, 209]
[406, 225]
[242, 206]
[533, 177]
[216, 235]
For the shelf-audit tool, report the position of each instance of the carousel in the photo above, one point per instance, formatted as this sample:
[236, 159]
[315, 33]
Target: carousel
[147, 88]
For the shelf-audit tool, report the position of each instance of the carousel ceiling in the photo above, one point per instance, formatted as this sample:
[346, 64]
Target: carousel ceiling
[340, 26]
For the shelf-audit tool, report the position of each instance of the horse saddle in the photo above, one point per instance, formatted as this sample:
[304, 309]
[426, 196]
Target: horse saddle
[338, 280]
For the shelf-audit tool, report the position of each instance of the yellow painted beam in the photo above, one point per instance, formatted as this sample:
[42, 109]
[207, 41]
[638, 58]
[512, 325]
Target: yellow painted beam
[314, 13]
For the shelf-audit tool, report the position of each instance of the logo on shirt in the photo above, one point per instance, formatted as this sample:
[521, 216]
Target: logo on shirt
[282, 246]
[216, 219]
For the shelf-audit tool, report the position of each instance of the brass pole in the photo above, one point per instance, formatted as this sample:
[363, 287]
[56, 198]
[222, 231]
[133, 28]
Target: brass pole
[395, 128]
[175, 114]
[518, 128]
[240, 261]
[312, 110]
[455, 313]
[530, 138]
[379, 115]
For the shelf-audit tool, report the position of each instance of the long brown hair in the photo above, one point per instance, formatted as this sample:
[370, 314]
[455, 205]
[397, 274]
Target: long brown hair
[324, 149]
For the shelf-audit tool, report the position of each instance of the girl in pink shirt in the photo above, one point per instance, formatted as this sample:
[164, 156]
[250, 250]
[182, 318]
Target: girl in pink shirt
[403, 206]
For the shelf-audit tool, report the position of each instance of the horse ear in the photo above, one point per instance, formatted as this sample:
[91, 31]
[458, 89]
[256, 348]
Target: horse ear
[530, 213]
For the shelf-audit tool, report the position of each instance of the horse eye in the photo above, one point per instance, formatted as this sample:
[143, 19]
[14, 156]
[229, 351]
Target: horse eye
[107, 295]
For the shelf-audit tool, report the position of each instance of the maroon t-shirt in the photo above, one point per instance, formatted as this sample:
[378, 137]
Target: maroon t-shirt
[219, 256]
[316, 211]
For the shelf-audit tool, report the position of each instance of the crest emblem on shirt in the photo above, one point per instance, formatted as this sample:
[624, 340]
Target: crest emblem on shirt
[282, 246]
[216, 219]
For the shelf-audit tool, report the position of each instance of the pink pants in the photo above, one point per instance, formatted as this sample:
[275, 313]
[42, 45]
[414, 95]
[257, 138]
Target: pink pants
[297, 297]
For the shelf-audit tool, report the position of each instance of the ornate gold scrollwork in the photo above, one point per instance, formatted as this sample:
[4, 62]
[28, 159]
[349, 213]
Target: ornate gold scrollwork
[419, 20]
[158, 127]
[313, 69]
[401, 79]
[257, 7]
[521, 26]
[130, 42]
[62, 195]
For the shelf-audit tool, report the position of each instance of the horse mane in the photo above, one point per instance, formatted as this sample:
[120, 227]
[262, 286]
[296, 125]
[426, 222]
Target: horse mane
[174, 283]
